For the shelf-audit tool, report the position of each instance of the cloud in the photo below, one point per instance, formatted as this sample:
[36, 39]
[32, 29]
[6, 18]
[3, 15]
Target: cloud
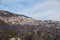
[11, 0]
[15, 1]
[46, 10]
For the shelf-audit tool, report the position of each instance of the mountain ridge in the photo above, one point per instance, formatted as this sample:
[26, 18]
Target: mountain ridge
[12, 18]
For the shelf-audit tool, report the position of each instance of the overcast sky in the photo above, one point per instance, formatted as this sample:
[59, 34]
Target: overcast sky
[38, 9]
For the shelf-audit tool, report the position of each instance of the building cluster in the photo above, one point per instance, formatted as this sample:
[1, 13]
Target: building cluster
[19, 20]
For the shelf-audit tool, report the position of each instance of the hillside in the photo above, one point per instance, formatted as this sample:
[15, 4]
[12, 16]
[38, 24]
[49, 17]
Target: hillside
[12, 18]
[27, 28]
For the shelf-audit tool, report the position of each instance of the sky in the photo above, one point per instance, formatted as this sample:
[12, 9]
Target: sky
[37, 9]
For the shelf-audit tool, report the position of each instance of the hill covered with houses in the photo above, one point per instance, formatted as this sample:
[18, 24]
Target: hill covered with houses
[26, 28]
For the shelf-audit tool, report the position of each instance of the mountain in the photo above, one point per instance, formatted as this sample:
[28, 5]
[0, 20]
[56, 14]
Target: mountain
[27, 28]
[9, 14]
[12, 18]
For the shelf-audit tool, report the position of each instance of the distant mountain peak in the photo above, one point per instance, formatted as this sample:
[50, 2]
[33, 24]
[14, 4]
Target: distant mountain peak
[6, 13]
[10, 14]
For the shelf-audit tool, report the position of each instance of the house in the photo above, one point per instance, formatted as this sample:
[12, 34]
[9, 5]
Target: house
[15, 38]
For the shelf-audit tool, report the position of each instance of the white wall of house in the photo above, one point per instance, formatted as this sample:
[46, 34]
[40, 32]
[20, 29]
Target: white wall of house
[15, 38]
